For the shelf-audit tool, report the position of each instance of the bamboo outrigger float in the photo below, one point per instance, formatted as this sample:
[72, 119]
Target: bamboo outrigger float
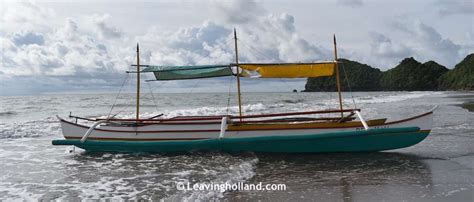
[281, 132]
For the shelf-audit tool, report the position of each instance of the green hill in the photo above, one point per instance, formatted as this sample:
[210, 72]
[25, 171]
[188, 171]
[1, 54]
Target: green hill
[461, 77]
[361, 77]
[411, 75]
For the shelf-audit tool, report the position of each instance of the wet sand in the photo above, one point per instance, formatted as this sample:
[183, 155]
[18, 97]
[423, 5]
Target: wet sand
[468, 99]
[383, 176]
[441, 168]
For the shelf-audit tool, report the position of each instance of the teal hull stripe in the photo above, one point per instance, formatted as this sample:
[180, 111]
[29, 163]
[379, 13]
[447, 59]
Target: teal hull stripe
[350, 141]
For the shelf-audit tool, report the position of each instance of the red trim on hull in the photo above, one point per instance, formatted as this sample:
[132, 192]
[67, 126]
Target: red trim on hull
[234, 117]
[237, 122]
[134, 139]
[306, 128]
[196, 131]
[409, 119]
[131, 131]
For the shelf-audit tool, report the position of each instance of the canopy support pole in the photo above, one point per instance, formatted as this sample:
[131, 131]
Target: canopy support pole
[366, 127]
[337, 78]
[88, 132]
[138, 84]
[238, 74]
[223, 127]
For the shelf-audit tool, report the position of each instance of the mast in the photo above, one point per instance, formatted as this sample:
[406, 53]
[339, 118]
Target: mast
[138, 83]
[238, 73]
[337, 78]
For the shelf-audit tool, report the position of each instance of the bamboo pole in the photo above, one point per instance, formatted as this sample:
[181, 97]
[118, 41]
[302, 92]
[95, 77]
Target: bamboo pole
[338, 82]
[238, 74]
[138, 83]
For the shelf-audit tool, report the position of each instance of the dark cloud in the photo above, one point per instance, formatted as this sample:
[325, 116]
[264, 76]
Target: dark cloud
[455, 7]
[211, 32]
[430, 44]
[269, 38]
[193, 38]
[28, 38]
[382, 46]
[65, 52]
[237, 11]
[351, 3]
[420, 40]
[105, 30]
[288, 22]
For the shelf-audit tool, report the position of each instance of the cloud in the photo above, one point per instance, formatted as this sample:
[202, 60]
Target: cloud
[78, 52]
[268, 38]
[351, 3]
[94, 51]
[28, 38]
[103, 27]
[382, 46]
[25, 15]
[204, 44]
[420, 40]
[428, 44]
[434, 40]
[455, 7]
[274, 38]
[63, 52]
[237, 11]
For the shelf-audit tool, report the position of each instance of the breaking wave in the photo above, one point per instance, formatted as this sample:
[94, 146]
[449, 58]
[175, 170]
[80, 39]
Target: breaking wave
[82, 176]
[392, 97]
[31, 128]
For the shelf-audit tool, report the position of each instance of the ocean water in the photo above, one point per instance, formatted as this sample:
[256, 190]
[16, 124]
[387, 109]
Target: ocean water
[438, 169]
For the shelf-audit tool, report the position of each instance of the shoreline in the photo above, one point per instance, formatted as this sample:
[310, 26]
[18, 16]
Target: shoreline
[468, 105]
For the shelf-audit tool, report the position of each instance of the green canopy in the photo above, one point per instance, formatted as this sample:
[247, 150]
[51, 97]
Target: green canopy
[189, 72]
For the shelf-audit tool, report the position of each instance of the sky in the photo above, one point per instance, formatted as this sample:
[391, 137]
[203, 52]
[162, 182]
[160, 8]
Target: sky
[67, 46]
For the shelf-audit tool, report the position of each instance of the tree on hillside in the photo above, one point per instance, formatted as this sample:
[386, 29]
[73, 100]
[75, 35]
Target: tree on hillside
[461, 77]
[360, 77]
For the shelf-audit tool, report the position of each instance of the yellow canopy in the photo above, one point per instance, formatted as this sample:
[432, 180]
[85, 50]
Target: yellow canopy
[291, 70]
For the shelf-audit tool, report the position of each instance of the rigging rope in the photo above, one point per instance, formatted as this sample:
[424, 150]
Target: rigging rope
[228, 96]
[193, 86]
[118, 94]
[152, 95]
[349, 85]
[256, 51]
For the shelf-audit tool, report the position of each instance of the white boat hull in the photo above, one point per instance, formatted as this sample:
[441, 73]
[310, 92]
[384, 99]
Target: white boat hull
[207, 130]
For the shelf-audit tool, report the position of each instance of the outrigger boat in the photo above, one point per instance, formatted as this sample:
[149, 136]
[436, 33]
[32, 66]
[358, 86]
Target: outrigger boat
[281, 132]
